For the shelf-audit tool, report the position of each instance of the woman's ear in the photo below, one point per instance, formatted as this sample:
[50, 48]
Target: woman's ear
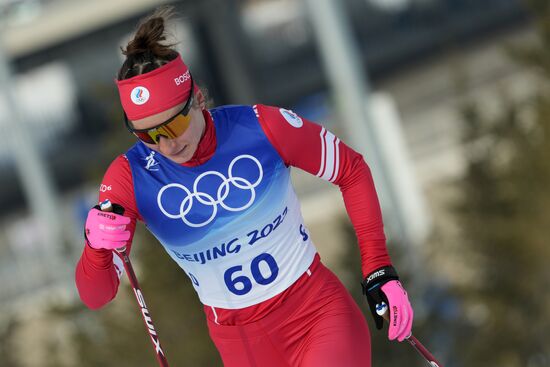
[201, 99]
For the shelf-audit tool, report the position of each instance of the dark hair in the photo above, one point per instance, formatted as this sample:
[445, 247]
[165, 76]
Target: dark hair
[146, 52]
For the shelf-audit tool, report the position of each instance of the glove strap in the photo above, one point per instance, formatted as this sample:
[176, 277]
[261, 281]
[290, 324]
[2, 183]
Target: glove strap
[379, 276]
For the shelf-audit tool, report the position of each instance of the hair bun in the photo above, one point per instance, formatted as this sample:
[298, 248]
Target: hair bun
[149, 36]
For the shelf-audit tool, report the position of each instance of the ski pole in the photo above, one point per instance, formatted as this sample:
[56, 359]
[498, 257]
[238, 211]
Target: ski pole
[106, 206]
[382, 310]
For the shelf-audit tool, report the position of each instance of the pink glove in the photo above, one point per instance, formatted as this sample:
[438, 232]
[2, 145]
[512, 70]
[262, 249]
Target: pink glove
[106, 230]
[382, 289]
[400, 311]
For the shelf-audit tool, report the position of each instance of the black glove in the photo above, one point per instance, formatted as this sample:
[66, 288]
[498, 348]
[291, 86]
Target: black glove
[372, 285]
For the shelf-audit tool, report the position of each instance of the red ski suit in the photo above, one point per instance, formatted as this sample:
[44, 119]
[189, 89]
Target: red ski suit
[314, 322]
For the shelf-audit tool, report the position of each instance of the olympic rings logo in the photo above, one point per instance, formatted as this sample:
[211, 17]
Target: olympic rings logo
[221, 194]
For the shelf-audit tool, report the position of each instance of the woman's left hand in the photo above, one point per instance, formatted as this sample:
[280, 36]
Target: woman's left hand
[383, 286]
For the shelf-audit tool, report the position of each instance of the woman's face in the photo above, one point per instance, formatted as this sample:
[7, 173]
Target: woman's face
[182, 148]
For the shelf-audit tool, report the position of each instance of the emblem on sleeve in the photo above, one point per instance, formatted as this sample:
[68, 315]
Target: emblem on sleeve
[292, 118]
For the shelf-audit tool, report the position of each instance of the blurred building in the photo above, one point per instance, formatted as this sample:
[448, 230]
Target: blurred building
[65, 54]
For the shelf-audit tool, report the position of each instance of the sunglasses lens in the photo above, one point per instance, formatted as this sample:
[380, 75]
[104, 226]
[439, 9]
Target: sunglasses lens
[145, 137]
[176, 127]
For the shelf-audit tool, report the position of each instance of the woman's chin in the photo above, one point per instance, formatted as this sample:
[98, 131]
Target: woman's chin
[182, 157]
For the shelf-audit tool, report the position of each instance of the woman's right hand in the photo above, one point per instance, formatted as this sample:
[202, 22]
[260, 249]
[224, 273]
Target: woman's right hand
[106, 230]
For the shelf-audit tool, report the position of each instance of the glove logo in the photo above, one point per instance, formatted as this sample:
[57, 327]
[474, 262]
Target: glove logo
[229, 194]
[394, 319]
[376, 274]
[292, 118]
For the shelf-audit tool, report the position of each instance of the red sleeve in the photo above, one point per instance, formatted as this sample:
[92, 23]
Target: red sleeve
[306, 145]
[98, 271]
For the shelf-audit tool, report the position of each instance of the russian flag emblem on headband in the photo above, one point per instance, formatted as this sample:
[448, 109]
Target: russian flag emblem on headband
[156, 91]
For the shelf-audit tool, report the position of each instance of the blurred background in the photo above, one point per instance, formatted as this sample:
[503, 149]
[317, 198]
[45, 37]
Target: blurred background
[448, 100]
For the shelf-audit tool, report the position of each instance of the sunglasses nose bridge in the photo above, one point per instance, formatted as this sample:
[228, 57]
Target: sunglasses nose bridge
[170, 129]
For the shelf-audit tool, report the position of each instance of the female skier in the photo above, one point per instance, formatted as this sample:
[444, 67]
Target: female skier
[213, 186]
